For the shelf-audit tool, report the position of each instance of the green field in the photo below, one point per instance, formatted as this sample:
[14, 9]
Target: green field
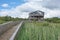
[1, 21]
[39, 31]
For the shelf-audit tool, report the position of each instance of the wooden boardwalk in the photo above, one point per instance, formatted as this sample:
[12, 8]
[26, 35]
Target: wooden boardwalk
[8, 34]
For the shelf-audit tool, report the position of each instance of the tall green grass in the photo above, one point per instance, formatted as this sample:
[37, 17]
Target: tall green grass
[39, 31]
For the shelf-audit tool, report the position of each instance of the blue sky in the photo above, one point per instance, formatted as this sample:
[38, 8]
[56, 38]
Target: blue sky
[22, 8]
[11, 3]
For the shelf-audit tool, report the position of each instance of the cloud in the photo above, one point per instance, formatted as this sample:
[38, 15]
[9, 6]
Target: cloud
[52, 13]
[26, 8]
[3, 13]
[51, 4]
[22, 11]
[5, 5]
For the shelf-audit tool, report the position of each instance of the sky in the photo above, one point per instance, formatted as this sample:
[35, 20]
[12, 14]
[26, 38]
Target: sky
[22, 8]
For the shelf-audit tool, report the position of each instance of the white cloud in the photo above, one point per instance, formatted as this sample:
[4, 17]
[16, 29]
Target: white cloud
[5, 5]
[52, 13]
[23, 10]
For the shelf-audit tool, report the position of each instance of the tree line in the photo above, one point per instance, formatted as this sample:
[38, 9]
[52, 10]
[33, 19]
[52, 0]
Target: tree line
[54, 20]
[9, 18]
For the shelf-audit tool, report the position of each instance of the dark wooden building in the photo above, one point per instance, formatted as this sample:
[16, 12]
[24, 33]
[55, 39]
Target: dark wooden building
[36, 15]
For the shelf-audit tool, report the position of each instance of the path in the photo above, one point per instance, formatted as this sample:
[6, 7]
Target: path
[8, 34]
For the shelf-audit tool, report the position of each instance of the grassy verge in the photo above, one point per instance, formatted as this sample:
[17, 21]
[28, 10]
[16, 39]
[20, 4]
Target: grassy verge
[39, 31]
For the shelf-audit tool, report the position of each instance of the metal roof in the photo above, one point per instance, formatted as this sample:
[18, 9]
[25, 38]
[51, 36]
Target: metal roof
[36, 13]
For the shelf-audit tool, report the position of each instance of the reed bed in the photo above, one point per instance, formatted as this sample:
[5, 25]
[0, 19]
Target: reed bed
[39, 31]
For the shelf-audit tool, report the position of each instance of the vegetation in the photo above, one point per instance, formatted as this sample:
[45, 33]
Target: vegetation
[2, 21]
[9, 18]
[54, 20]
[39, 31]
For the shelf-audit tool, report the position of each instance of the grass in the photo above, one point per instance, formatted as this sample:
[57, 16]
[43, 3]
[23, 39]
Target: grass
[1, 21]
[39, 31]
